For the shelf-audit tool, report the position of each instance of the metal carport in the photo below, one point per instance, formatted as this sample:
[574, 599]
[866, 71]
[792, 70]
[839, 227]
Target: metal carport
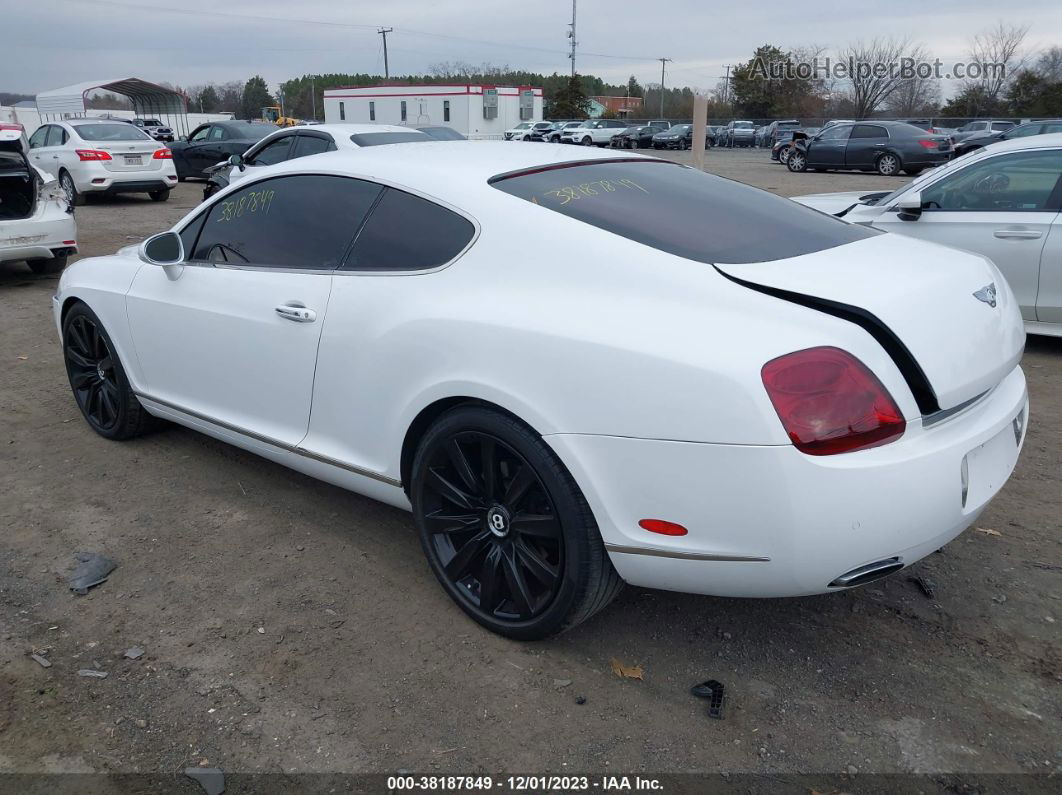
[149, 100]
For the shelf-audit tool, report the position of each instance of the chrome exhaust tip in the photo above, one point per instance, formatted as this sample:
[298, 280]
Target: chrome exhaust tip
[867, 573]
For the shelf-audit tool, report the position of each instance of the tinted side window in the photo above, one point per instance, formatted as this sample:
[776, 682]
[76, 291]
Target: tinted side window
[837, 133]
[303, 221]
[386, 242]
[190, 233]
[276, 151]
[56, 136]
[37, 139]
[312, 145]
[217, 133]
[869, 131]
[1022, 181]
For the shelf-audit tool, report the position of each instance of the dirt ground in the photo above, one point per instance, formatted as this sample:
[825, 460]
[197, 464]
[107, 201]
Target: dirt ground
[289, 626]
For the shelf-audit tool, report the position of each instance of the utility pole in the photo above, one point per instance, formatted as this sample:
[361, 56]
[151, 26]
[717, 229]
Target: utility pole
[383, 32]
[313, 98]
[726, 86]
[571, 35]
[663, 65]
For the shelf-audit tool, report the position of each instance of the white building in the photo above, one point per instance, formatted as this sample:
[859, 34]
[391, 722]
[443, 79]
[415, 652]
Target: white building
[478, 111]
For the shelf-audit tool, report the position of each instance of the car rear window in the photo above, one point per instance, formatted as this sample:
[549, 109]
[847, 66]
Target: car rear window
[378, 138]
[110, 132]
[681, 210]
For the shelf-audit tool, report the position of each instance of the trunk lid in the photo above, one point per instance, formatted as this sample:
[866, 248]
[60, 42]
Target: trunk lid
[130, 155]
[923, 294]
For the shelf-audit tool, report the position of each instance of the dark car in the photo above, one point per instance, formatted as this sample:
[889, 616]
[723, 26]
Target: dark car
[213, 142]
[1041, 127]
[639, 137]
[783, 144]
[777, 128]
[887, 147]
[442, 133]
[979, 127]
[680, 136]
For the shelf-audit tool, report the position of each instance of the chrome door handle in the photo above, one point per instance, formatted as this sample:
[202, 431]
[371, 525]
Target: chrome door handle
[1018, 234]
[297, 314]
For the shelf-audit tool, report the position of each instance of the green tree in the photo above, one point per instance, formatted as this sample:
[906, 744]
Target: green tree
[1032, 94]
[973, 100]
[570, 101]
[634, 88]
[255, 97]
[208, 100]
[767, 87]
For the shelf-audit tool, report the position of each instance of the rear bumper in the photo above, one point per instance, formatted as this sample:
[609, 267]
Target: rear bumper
[769, 521]
[138, 185]
[99, 180]
[41, 238]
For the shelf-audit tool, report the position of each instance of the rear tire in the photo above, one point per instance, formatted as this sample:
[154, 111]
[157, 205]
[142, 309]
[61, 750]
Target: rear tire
[98, 381]
[159, 195]
[505, 528]
[45, 266]
[67, 183]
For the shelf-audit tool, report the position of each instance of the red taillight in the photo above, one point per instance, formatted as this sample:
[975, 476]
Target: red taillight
[662, 527]
[162, 154]
[927, 144]
[92, 154]
[829, 402]
[17, 127]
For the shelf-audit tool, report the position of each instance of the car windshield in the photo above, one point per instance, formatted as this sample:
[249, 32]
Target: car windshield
[743, 125]
[151, 122]
[110, 132]
[523, 126]
[680, 128]
[681, 211]
[378, 138]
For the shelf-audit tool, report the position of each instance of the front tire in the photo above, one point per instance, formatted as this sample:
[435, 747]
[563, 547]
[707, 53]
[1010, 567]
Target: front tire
[101, 388]
[159, 195]
[66, 182]
[505, 528]
[44, 267]
[797, 162]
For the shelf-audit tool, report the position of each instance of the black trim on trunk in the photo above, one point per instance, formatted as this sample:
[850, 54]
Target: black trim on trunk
[909, 368]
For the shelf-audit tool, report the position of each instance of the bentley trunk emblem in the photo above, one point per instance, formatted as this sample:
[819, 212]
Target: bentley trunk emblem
[987, 294]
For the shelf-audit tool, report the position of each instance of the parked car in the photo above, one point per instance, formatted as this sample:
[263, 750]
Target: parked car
[663, 124]
[555, 135]
[521, 132]
[36, 219]
[155, 128]
[213, 142]
[776, 128]
[760, 136]
[982, 127]
[783, 145]
[289, 143]
[680, 136]
[364, 338]
[715, 135]
[1001, 201]
[887, 147]
[637, 137]
[1042, 127]
[101, 156]
[593, 132]
[441, 133]
[540, 130]
[739, 133]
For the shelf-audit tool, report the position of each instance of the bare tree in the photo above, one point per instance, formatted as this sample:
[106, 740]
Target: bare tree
[1049, 64]
[915, 96]
[999, 48]
[874, 71]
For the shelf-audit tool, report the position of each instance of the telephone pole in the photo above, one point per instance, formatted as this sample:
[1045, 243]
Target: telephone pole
[383, 32]
[663, 65]
[726, 86]
[571, 35]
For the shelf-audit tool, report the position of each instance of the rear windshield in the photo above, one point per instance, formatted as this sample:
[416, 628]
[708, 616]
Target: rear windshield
[377, 138]
[110, 132]
[682, 211]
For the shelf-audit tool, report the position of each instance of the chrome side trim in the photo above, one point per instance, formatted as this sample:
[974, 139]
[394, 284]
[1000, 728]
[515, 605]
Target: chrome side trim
[657, 552]
[366, 473]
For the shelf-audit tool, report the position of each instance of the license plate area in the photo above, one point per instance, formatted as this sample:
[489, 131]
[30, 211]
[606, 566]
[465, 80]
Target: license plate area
[134, 160]
[989, 465]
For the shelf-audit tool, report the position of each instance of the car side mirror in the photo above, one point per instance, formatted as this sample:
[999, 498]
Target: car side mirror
[237, 161]
[910, 206]
[165, 248]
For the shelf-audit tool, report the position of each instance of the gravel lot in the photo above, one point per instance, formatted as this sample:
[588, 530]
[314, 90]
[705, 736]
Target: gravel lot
[292, 626]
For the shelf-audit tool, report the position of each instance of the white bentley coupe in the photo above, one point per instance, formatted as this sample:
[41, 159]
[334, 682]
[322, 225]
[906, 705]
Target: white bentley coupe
[576, 368]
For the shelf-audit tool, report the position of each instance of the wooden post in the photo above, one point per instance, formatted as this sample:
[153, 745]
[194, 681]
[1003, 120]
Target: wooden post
[700, 128]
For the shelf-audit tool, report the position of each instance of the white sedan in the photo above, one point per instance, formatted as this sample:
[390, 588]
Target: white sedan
[103, 156]
[714, 390]
[1003, 201]
[36, 220]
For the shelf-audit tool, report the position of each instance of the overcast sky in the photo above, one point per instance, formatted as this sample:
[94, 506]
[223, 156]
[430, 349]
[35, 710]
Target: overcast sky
[185, 42]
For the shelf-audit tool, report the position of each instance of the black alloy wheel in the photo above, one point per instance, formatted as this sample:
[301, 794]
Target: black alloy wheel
[505, 528]
[99, 383]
